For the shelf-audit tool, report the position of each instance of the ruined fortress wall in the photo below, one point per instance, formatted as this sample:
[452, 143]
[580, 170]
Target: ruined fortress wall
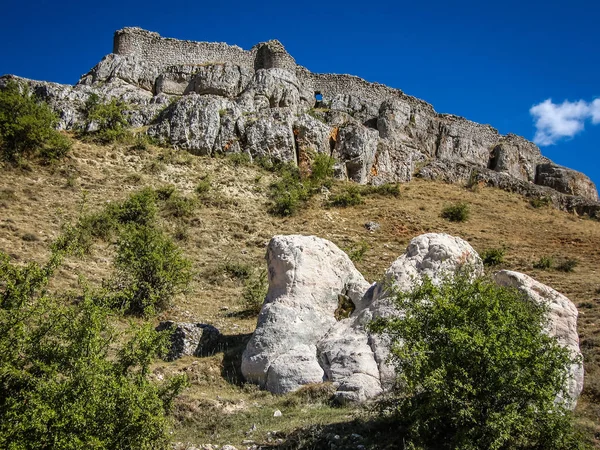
[153, 48]
[330, 85]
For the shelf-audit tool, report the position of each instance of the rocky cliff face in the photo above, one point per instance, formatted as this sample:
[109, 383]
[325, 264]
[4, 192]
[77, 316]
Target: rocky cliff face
[213, 98]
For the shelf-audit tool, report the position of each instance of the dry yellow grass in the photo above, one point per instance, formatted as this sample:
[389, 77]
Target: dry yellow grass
[236, 227]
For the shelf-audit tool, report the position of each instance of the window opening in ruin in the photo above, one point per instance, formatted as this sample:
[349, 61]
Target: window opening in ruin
[318, 96]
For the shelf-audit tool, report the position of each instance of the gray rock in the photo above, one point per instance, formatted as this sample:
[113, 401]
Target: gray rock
[193, 122]
[226, 80]
[191, 339]
[372, 226]
[566, 181]
[270, 135]
[355, 148]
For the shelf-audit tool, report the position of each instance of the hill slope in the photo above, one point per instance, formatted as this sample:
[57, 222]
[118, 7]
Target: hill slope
[229, 229]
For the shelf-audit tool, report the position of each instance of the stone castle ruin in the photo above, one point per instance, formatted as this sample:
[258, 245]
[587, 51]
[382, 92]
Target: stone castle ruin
[213, 98]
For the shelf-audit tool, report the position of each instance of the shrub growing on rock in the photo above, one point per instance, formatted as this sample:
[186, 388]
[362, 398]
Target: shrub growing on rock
[27, 126]
[476, 370]
[105, 121]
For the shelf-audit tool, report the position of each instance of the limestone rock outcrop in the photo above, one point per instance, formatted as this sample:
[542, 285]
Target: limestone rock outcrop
[215, 98]
[302, 338]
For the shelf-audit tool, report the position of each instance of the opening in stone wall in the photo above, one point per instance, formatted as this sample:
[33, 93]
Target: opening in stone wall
[318, 96]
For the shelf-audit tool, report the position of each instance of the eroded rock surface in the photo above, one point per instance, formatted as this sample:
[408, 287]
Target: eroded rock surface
[301, 337]
[190, 339]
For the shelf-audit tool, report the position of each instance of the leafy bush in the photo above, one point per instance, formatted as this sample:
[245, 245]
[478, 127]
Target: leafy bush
[288, 193]
[544, 263]
[165, 192]
[140, 208]
[105, 121]
[493, 256]
[476, 370]
[348, 197]
[66, 382]
[150, 271]
[27, 126]
[458, 212]
[241, 271]
[567, 265]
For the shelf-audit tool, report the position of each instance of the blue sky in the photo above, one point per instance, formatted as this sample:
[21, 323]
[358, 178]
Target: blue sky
[490, 62]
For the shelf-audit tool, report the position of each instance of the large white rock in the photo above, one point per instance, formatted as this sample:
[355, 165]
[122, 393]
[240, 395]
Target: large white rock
[306, 276]
[562, 322]
[298, 339]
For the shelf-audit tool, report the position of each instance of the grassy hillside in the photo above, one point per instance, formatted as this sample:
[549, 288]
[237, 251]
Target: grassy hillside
[224, 230]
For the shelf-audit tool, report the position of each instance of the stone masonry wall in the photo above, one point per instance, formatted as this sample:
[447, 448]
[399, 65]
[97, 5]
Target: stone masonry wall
[151, 47]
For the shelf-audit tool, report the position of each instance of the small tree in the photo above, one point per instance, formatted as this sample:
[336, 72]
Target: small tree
[151, 270]
[27, 126]
[476, 370]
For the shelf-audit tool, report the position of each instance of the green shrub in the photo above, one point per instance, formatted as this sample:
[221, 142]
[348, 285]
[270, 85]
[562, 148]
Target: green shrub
[239, 159]
[105, 121]
[179, 206]
[385, 190]
[288, 193]
[476, 369]
[255, 291]
[27, 126]
[203, 187]
[150, 271]
[544, 263]
[165, 192]
[458, 212]
[322, 169]
[69, 379]
[493, 256]
[140, 208]
[567, 265]
[539, 202]
[350, 196]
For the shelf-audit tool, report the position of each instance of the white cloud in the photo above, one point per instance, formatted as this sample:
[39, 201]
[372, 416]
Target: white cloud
[595, 109]
[557, 121]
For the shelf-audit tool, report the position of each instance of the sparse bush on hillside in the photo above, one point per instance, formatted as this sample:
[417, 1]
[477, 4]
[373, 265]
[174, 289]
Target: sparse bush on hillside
[322, 170]
[539, 202]
[350, 196]
[493, 256]
[140, 208]
[544, 263]
[179, 206]
[476, 369]
[567, 265]
[459, 212]
[288, 193]
[385, 190]
[27, 126]
[68, 380]
[150, 271]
